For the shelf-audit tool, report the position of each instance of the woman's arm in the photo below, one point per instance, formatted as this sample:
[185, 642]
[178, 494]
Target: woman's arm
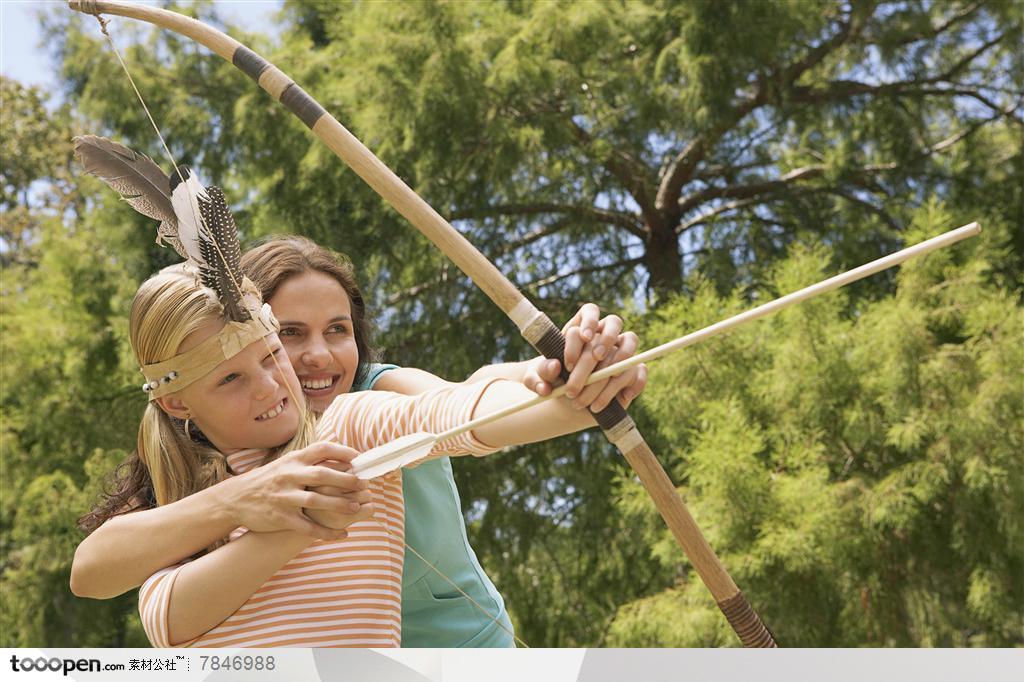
[117, 556]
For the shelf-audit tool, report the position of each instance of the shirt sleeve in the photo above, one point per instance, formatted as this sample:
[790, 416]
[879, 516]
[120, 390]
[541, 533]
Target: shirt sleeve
[155, 605]
[365, 420]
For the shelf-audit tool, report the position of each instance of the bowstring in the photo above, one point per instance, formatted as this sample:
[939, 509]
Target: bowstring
[496, 619]
[192, 204]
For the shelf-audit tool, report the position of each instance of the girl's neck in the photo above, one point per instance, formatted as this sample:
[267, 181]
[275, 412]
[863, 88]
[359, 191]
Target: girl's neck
[240, 461]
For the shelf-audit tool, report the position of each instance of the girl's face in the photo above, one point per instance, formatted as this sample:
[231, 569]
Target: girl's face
[245, 402]
[316, 330]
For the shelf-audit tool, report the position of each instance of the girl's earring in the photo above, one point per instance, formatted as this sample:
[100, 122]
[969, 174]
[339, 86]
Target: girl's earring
[188, 431]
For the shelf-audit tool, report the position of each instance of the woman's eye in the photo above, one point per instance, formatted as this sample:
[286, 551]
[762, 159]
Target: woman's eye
[337, 329]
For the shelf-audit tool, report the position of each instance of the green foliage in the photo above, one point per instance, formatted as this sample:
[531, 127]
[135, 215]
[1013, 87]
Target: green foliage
[859, 469]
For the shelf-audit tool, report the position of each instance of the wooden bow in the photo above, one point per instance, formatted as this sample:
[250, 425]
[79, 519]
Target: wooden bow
[534, 325]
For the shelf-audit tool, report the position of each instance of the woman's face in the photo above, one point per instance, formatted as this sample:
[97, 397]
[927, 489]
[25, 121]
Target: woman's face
[316, 330]
[246, 401]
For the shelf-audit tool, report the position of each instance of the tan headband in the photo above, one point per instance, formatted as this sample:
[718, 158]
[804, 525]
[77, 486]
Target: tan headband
[183, 369]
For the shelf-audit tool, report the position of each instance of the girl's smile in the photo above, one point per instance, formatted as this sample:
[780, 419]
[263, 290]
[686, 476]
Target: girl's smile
[274, 411]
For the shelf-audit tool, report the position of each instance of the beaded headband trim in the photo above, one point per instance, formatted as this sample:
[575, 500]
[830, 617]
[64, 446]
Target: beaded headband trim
[185, 368]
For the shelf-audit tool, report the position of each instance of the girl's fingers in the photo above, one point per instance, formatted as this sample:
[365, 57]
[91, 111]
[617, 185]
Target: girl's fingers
[301, 524]
[541, 375]
[588, 395]
[611, 389]
[630, 394]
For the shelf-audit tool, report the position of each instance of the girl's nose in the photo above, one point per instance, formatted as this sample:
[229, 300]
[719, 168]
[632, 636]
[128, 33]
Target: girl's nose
[266, 384]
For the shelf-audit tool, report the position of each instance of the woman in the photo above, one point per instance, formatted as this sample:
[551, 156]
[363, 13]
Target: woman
[330, 353]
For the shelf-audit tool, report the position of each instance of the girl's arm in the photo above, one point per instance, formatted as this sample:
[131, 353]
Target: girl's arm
[182, 603]
[591, 344]
[116, 557]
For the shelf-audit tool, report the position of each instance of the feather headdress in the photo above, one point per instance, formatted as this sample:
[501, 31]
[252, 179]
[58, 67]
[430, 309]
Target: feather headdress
[195, 220]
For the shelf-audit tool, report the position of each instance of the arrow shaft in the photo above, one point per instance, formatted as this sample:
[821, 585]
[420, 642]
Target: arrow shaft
[729, 324]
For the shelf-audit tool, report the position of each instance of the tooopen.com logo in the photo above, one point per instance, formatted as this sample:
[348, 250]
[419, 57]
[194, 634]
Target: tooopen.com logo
[40, 664]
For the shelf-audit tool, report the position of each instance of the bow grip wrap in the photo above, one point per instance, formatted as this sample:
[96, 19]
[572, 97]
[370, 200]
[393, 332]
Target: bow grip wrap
[746, 623]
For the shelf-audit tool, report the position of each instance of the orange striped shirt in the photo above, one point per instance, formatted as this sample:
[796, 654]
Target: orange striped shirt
[338, 593]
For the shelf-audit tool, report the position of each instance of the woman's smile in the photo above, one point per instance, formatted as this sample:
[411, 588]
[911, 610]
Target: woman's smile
[319, 386]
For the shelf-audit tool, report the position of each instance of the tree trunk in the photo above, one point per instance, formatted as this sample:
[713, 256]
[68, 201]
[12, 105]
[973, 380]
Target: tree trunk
[664, 262]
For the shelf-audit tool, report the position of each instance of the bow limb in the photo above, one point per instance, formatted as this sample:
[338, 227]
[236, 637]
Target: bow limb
[534, 325]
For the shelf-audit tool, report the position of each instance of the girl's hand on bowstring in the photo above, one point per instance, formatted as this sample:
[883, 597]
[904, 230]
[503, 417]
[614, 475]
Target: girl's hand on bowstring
[306, 491]
[591, 343]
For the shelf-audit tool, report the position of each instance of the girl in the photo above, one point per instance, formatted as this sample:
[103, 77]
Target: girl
[328, 354]
[279, 588]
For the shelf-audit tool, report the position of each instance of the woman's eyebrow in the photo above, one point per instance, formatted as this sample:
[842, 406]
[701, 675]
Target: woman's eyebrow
[340, 318]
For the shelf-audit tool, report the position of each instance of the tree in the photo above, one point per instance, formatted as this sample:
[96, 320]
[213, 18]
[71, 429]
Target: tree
[859, 468]
[651, 138]
[68, 387]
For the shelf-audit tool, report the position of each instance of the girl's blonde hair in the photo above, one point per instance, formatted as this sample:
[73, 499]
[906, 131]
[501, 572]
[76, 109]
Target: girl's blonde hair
[168, 464]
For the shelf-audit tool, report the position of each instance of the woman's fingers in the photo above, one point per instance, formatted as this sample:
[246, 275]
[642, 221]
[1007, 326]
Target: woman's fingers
[320, 475]
[591, 357]
[332, 500]
[573, 348]
[598, 395]
[586, 320]
[318, 452]
[337, 521]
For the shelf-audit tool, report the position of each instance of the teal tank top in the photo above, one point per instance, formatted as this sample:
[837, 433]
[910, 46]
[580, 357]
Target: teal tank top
[435, 614]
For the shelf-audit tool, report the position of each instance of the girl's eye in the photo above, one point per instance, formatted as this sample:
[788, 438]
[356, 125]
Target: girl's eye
[228, 379]
[288, 331]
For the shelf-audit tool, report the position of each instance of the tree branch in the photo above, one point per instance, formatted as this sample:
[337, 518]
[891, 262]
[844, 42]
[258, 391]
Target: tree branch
[545, 281]
[758, 193]
[935, 29]
[844, 88]
[626, 170]
[744, 191]
[623, 220]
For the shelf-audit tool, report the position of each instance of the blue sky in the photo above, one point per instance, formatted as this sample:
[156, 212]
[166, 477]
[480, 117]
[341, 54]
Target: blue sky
[24, 59]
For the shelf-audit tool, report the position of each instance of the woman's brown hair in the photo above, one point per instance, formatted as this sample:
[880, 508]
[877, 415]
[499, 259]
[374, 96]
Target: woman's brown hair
[270, 264]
